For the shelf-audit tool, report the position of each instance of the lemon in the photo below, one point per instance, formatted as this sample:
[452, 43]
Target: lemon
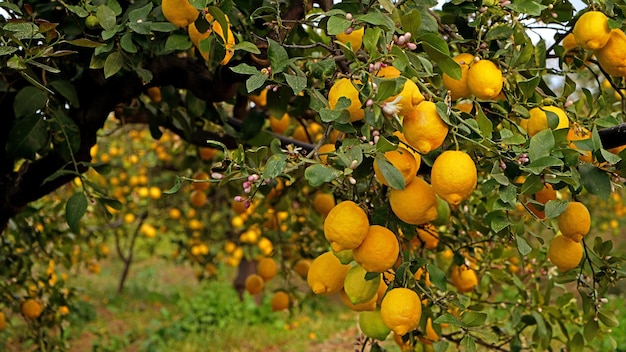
[254, 284]
[612, 57]
[544, 195]
[430, 335]
[463, 278]
[200, 176]
[355, 38]
[280, 125]
[3, 321]
[360, 307]
[260, 99]
[31, 308]
[429, 236]
[326, 274]
[403, 161]
[301, 267]
[443, 212]
[459, 88]
[592, 31]
[401, 310]
[266, 268]
[229, 43]
[575, 222]
[405, 204]
[569, 42]
[345, 256]
[357, 288]
[280, 301]
[179, 12]
[324, 150]
[404, 144]
[484, 79]
[388, 72]
[372, 325]
[578, 133]
[565, 253]
[346, 226]
[379, 251]
[453, 176]
[423, 128]
[411, 97]
[538, 120]
[155, 94]
[323, 203]
[343, 87]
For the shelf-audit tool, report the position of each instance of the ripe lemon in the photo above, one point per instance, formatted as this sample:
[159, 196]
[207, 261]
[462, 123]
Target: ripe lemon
[201, 176]
[326, 274]
[254, 284]
[379, 251]
[428, 236]
[346, 226]
[207, 153]
[260, 99]
[402, 160]
[266, 268]
[31, 308]
[564, 253]
[453, 176]
[280, 125]
[345, 256]
[546, 194]
[612, 57]
[280, 301]
[484, 79]
[357, 288]
[401, 310]
[3, 321]
[343, 87]
[430, 335]
[355, 38]
[459, 88]
[404, 144]
[198, 199]
[578, 133]
[372, 325]
[388, 72]
[323, 203]
[423, 128]
[538, 120]
[196, 37]
[569, 42]
[575, 221]
[360, 307]
[463, 278]
[592, 31]
[324, 150]
[301, 267]
[179, 12]
[411, 97]
[155, 94]
[416, 204]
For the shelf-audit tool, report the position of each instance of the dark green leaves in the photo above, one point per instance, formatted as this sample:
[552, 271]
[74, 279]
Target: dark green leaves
[318, 174]
[28, 101]
[595, 180]
[390, 173]
[75, 209]
[27, 137]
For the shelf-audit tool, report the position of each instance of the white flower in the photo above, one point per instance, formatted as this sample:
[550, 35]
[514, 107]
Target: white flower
[392, 108]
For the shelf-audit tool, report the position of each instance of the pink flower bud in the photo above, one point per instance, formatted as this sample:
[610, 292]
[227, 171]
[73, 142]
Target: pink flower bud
[411, 46]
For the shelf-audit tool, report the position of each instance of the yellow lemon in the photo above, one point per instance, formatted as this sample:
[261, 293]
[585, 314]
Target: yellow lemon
[346, 226]
[403, 161]
[423, 128]
[254, 284]
[379, 251]
[280, 125]
[280, 301]
[155, 94]
[612, 57]
[565, 253]
[31, 308]
[359, 307]
[3, 321]
[463, 278]
[301, 267]
[326, 274]
[388, 72]
[575, 222]
[569, 42]
[196, 37]
[428, 236]
[578, 133]
[459, 88]
[355, 38]
[266, 268]
[538, 120]
[323, 203]
[453, 176]
[592, 31]
[484, 79]
[401, 310]
[543, 196]
[372, 325]
[358, 288]
[179, 12]
[404, 144]
[343, 87]
[324, 150]
[405, 204]
[430, 335]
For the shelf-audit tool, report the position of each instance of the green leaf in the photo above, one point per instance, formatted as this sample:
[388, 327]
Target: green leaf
[522, 246]
[528, 86]
[376, 18]
[336, 25]
[591, 330]
[448, 319]
[528, 7]
[254, 123]
[144, 75]
[484, 124]
[317, 174]
[554, 208]
[7, 50]
[474, 319]
[385, 145]
[113, 64]
[255, 82]
[328, 115]
[274, 166]
[541, 325]
[391, 174]
[468, 344]
[595, 180]
[27, 137]
[437, 276]
[85, 43]
[539, 165]
[75, 209]
[247, 46]
[28, 100]
[178, 42]
[370, 39]
[296, 83]
[106, 17]
[541, 144]
[411, 21]
[608, 318]
[67, 90]
[498, 32]
[174, 188]
[276, 53]
[140, 14]
[245, 69]
[388, 87]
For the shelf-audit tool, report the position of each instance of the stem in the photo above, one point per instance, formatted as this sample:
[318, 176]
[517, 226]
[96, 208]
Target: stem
[128, 260]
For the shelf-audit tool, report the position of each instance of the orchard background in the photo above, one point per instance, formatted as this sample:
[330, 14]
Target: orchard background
[413, 175]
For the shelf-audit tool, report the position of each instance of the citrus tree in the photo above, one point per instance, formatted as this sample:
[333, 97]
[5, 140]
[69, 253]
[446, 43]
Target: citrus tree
[454, 154]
